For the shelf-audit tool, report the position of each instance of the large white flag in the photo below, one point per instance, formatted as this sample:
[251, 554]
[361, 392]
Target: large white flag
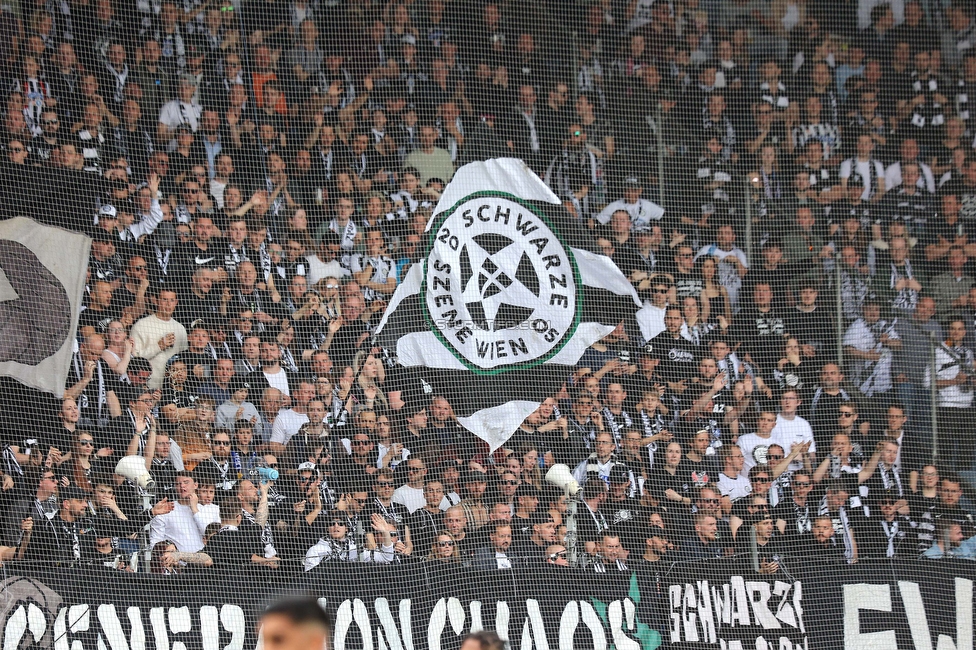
[503, 304]
[42, 281]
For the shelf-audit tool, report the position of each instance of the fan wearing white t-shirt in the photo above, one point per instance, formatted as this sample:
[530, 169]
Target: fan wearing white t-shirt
[755, 445]
[731, 482]
[290, 420]
[411, 494]
[791, 429]
[271, 369]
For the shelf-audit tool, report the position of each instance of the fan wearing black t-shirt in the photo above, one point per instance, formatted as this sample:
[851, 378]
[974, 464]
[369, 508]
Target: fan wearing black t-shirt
[232, 546]
[760, 327]
[677, 354]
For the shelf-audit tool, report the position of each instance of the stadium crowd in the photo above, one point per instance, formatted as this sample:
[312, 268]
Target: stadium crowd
[257, 178]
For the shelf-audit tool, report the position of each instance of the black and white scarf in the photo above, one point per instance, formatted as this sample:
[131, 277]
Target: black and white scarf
[120, 79]
[906, 299]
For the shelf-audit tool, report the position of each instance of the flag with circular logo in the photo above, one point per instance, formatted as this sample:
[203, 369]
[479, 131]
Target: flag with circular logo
[505, 301]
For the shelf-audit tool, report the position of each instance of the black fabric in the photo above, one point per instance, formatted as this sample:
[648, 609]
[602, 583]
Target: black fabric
[812, 604]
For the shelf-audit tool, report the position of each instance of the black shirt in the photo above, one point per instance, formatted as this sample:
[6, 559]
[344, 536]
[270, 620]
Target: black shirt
[231, 547]
[424, 526]
[761, 334]
[679, 356]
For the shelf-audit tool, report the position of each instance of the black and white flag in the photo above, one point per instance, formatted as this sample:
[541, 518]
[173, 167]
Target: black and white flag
[502, 305]
[41, 288]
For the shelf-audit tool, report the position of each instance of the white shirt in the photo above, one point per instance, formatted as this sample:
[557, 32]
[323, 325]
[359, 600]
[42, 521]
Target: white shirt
[866, 169]
[175, 113]
[409, 497]
[279, 380]
[384, 269]
[791, 432]
[954, 396]
[217, 192]
[146, 334]
[381, 451]
[734, 488]
[926, 180]
[317, 269]
[287, 425]
[207, 514]
[643, 211]
[325, 547]
[181, 526]
[748, 444]
[864, 8]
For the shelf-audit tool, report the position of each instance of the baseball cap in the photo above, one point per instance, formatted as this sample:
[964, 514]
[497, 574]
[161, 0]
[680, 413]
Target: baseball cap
[647, 350]
[619, 473]
[239, 383]
[72, 492]
[632, 181]
[408, 39]
[108, 212]
[307, 466]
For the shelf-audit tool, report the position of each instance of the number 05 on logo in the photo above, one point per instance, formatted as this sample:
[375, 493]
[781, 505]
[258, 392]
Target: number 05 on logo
[501, 289]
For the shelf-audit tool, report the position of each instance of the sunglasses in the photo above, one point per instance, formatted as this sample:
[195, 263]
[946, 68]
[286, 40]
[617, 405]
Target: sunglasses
[509, 482]
[86, 443]
[772, 457]
[445, 544]
[360, 442]
[556, 556]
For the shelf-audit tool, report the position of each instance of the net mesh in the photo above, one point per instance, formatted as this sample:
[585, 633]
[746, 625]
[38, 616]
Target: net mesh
[611, 323]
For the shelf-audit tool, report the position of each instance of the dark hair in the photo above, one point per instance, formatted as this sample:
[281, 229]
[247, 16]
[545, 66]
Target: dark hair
[488, 640]
[302, 611]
